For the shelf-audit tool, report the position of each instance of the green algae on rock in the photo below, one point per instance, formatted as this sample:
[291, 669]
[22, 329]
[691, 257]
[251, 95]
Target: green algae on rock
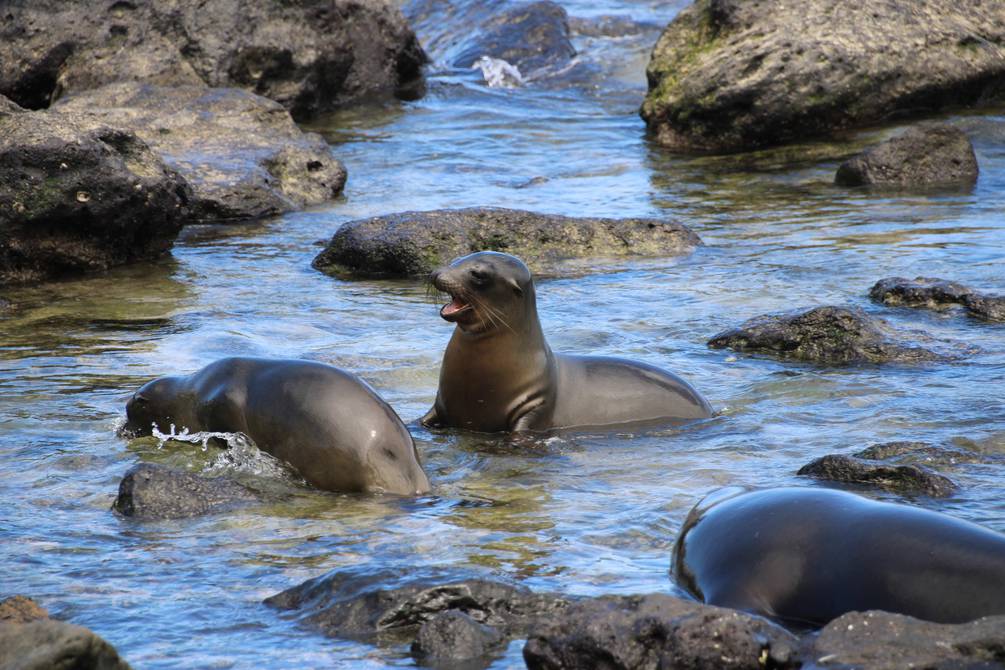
[730, 76]
[412, 244]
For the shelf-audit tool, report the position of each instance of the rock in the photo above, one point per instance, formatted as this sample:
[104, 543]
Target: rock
[391, 606]
[609, 25]
[931, 154]
[412, 244]
[828, 335]
[78, 196]
[883, 641]
[919, 292]
[906, 452]
[243, 154]
[898, 478]
[657, 631]
[309, 56]
[454, 636]
[20, 609]
[46, 644]
[149, 491]
[935, 293]
[987, 307]
[728, 75]
[532, 37]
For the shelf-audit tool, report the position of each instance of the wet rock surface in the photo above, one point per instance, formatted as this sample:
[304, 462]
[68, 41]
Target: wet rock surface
[926, 155]
[150, 491]
[79, 197]
[30, 640]
[934, 293]
[658, 631]
[898, 478]
[728, 75]
[533, 37]
[308, 56]
[828, 335]
[921, 453]
[412, 244]
[453, 636]
[242, 154]
[883, 641]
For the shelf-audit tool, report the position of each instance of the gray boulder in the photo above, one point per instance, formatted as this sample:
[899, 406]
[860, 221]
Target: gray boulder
[149, 491]
[453, 636]
[242, 154]
[30, 640]
[78, 196]
[909, 479]
[412, 244]
[828, 335]
[657, 631]
[730, 75]
[934, 293]
[883, 641]
[931, 154]
[309, 55]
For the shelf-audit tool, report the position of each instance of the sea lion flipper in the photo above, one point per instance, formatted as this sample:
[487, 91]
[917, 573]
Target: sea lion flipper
[431, 419]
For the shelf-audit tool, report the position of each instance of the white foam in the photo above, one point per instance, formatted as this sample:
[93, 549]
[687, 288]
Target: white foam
[498, 73]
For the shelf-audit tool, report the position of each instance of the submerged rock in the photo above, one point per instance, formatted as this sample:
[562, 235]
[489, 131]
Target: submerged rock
[30, 640]
[729, 75]
[883, 641]
[532, 37]
[447, 619]
[149, 491]
[931, 154]
[658, 631]
[897, 478]
[935, 293]
[78, 197]
[412, 244]
[829, 335]
[308, 56]
[243, 154]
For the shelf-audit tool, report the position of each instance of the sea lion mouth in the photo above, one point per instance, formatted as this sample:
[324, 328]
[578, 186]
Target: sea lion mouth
[453, 310]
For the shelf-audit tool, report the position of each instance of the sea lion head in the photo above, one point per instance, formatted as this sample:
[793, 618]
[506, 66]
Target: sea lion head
[155, 403]
[490, 291]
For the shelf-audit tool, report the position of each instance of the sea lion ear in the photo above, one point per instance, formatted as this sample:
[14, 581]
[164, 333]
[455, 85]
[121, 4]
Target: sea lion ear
[515, 285]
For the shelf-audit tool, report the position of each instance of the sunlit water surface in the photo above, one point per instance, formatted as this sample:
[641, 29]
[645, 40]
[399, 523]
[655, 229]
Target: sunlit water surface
[586, 514]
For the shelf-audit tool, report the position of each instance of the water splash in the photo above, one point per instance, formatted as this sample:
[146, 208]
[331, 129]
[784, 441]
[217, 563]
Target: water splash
[241, 454]
[498, 73]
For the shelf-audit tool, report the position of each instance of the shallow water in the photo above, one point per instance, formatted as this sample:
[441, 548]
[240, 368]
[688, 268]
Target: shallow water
[586, 514]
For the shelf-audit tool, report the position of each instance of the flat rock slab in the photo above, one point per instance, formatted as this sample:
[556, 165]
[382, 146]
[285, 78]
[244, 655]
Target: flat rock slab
[828, 335]
[927, 155]
[309, 56]
[242, 154]
[922, 453]
[78, 196]
[150, 491]
[657, 631]
[728, 75]
[412, 244]
[909, 479]
[935, 293]
[883, 641]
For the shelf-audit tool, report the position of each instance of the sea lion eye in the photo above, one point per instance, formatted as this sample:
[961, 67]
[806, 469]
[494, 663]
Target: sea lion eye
[480, 277]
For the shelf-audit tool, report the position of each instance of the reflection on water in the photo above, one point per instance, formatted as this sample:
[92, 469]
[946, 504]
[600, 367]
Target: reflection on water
[586, 513]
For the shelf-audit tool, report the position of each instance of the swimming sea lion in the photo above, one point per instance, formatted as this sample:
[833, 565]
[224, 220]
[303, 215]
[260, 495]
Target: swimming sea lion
[499, 374]
[806, 556]
[325, 422]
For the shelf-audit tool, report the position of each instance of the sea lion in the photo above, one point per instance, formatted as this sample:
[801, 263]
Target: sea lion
[325, 422]
[805, 556]
[499, 374]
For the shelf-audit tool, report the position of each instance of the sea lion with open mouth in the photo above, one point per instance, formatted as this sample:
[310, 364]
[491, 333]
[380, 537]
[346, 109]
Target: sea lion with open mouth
[499, 374]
